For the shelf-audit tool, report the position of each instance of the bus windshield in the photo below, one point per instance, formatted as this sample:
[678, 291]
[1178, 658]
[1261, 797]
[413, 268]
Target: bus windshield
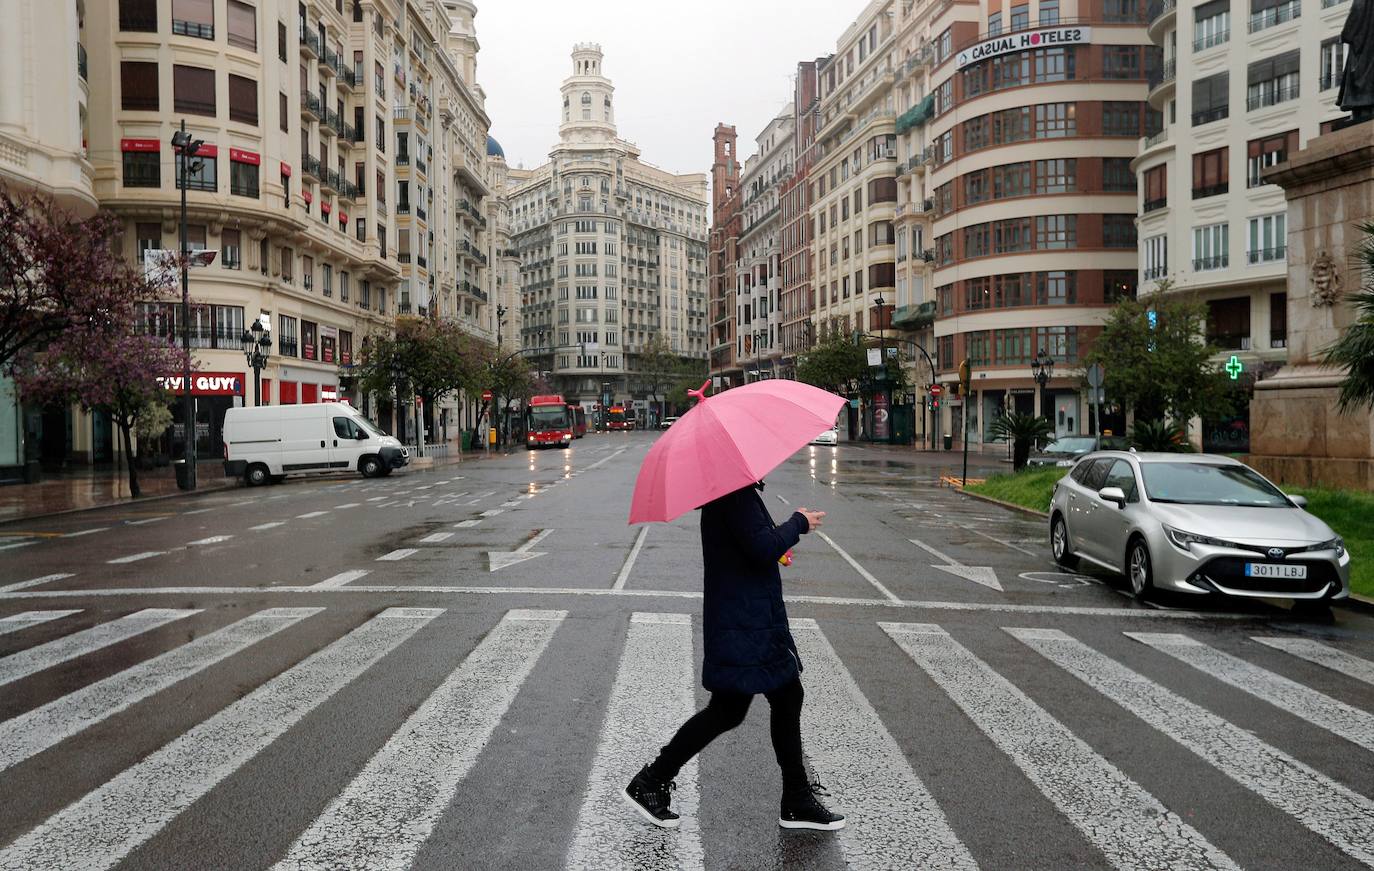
[546, 418]
[618, 416]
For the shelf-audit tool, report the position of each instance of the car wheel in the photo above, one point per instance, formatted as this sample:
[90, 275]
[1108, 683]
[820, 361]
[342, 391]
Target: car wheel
[1059, 544]
[370, 467]
[257, 475]
[1139, 570]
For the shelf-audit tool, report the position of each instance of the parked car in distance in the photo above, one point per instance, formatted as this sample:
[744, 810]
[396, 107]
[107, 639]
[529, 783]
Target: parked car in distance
[828, 437]
[267, 443]
[1194, 523]
[1065, 450]
[667, 422]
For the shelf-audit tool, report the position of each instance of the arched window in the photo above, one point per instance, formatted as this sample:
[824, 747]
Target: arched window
[586, 98]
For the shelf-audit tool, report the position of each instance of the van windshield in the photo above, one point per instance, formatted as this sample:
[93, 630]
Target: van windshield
[367, 426]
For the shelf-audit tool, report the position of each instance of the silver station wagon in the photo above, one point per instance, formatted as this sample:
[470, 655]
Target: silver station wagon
[1194, 523]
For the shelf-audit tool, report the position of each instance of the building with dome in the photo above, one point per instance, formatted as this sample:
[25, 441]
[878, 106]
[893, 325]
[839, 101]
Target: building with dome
[612, 252]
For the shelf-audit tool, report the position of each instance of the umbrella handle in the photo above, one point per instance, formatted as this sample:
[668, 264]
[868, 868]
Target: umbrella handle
[700, 393]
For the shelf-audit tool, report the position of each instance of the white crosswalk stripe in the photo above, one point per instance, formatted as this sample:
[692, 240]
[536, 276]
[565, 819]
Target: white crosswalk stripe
[33, 582]
[651, 697]
[894, 821]
[1301, 701]
[16, 622]
[384, 816]
[44, 727]
[1329, 657]
[35, 659]
[1342, 816]
[104, 826]
[1129, 826]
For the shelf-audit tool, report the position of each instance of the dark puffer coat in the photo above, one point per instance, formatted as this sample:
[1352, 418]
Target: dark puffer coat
[749, 648]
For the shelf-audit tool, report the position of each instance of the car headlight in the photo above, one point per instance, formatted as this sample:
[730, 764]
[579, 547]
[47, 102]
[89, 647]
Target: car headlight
[1185, 540]
[1337, 544]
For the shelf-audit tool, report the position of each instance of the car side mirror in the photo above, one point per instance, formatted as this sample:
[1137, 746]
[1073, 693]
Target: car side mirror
[1299, 501]
[1113, 494]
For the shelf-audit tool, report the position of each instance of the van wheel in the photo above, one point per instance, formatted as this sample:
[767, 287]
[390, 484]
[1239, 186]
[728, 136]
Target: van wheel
[257, 475]
[371, 467]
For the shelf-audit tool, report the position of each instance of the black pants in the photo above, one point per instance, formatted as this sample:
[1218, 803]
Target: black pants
[724, 712]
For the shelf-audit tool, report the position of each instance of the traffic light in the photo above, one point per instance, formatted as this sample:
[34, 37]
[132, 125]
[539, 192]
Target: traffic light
[934, 403]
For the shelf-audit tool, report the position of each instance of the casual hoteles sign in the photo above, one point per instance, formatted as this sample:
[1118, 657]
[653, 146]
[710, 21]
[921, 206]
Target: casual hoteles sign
[1023, 41]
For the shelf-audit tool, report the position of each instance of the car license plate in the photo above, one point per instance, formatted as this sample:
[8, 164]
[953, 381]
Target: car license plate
[1269, 570]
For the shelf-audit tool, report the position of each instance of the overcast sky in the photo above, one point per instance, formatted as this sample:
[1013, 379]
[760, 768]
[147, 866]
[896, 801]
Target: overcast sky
[678, 68]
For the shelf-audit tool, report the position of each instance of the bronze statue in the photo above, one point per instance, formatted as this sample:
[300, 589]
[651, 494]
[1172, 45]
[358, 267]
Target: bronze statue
[1357, 84]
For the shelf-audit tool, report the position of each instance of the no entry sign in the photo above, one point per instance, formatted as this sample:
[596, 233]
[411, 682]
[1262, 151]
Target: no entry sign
[486, 396]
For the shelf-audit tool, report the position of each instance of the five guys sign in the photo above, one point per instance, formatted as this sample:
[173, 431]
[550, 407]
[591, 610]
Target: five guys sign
[1025, 41]
[206, 383]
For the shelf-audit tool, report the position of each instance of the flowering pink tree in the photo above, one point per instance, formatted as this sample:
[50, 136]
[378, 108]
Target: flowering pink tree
[115, 373]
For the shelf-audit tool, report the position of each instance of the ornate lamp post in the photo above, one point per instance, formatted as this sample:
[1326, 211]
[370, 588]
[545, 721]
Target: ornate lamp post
[257, 347]
[186, 149]
[1042, 369]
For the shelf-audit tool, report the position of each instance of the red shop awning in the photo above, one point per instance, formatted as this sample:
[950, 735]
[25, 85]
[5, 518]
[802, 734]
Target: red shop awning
[238, 155]
[286, 169]
[140, 145]
[307, 196]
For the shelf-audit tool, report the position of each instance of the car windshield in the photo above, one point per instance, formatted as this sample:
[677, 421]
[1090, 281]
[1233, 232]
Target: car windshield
[1209, 484]
[1071, 445]
[548, 418]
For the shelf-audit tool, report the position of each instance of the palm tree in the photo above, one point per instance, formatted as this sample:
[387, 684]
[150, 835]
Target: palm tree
[1159, 436]
[1023, 430]
[1354, 351]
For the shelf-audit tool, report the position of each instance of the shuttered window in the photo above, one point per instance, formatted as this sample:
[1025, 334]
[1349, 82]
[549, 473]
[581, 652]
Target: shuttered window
[243, 25]
[193, 90]
[138, 86]
[243, 100]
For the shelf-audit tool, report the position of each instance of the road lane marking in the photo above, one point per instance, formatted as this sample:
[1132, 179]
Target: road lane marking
[436, 537]
[651, 697]
[33, 582]
[16, 622]
[341, 578]
[214, 539]
[935, 553]
[1128, 824]
[85, 532]
[390, 809]
[1320, 654]
[603, 461]
[35, 659]
[36, 731]
[135, 557]
[863, 572]
[198, 511]
[498, 560]
[492, 512]
[377, 499]
[511, 504]
[17, 544]
[100, 829]
[630, 560]
[894, 821]
[310, 514]
[347, 505]
[1337, 813]
[466, 524]
[781, 499]
[983, 575]
[145, 521]
[1301, 701]
[272, 525]
[396, 555]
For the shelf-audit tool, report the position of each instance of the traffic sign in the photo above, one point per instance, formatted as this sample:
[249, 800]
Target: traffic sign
[486, 396]
[936, 390]
[1095, 375]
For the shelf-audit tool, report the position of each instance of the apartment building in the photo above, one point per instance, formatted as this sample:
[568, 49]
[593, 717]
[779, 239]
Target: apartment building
[797, 299]
[1037, 114]
[504, 272]
[758, 313]
[612, 250]
[723, 259]
[1240, 88]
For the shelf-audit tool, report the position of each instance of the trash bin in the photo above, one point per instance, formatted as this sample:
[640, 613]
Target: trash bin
[184, 473]
[949, 442]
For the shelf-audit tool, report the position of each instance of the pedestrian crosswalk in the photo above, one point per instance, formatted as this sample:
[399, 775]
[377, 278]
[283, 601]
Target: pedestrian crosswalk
[407, 777]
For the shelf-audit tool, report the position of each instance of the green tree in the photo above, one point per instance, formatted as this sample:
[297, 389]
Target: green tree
[658, 368]
[1353, 352]
[835, 364]
[1157, 360]
[1023, 431]
[429, 358]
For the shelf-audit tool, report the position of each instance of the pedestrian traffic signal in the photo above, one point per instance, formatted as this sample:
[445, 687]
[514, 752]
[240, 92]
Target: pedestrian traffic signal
[934, 403]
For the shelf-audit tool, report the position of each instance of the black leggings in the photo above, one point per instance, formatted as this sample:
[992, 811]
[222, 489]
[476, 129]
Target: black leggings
[724, 712]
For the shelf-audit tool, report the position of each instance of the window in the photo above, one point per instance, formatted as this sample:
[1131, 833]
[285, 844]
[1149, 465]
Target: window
[1020, 17]
[1049, 11]
[243, 100]
[1056, 231]
[1156, 250]
[1228, 323]
[243, 178]
[994, 24]
[1210, 174]
[1272, 80]
[243, 25]
[307, 272]
[1121, 119]
[231, 254]
[975, 187]
[194, 18]
[1118, 231]
[193, 90]
[1210, 247]
[1333, 63]
[1264, 153]
[308, 348]
[138, 86]
[1156, 188]
[976, 240]
[149, 237]
[1265, 14]
[1054, 120]
[1121, 61]
[1011, 180]
[281, 41]
[326, 280]
[1117, 176]
[1012, 235]
[1211, 98]
[1278, 320]
[204, 178]
[142, 169]
[1211, 24]
[1013, 347]
[1267, 241]
[882, 190]
[138, 16]
[1056, 176]
[1061, 343]
[1056, 288]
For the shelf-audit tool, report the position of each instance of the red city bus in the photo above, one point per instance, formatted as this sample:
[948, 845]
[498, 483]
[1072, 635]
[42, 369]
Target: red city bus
[548, 422]
[578, 415]
[620, 417]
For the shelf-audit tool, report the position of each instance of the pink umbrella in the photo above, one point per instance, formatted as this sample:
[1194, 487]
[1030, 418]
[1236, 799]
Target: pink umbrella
[727, 442]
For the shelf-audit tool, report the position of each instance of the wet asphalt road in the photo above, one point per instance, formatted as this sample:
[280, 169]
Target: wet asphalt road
[218, 682]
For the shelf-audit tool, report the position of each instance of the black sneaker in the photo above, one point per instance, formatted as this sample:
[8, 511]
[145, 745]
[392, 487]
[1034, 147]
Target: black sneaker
[802, 810]
[651, 797]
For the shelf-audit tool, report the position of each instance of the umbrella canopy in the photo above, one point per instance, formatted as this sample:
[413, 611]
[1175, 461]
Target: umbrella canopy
[727, 442]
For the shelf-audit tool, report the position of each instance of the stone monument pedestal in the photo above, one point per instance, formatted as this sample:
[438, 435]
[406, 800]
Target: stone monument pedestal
[1297, 434]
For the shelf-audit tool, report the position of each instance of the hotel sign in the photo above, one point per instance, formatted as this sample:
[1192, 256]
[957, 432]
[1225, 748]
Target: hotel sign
[1024, 41]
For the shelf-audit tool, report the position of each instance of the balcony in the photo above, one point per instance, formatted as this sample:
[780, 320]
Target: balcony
[1155, 273]
[1207, 264]
[403, 208]
[310, 105]
[1211, 190]
[1209, 115]
[422, 262]
[1229, 341]
[1271, 96]
[402, 256]
[310, 166]
[403, 160]
[1160, 15]
[1164, 76]
[1275, 15]
[421, 166]
[1210, 40]
[1154, 205]
[330, 180]
[421, 213]
[310, 42]
[1327, 81]
[330, 122]
[191, 28]
[329, 59]
[348, 190]
[1151, 141]
[347, 76]
[1267, 255]
[81, 61]
[348, 134]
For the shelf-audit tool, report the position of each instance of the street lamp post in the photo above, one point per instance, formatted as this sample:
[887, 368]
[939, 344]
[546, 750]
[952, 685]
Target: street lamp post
[1042, 369]
[500, 322]
[186, 149]
[257, 347]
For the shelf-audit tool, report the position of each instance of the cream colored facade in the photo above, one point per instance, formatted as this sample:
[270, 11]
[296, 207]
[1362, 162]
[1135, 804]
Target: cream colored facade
[612, 249]
[759, 272]
[1208, 223]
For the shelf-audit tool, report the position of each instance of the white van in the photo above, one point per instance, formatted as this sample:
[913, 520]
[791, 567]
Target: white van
[272, 441]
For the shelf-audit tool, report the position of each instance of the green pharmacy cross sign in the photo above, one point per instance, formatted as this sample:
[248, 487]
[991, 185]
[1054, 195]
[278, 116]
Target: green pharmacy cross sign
[1234, 367]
